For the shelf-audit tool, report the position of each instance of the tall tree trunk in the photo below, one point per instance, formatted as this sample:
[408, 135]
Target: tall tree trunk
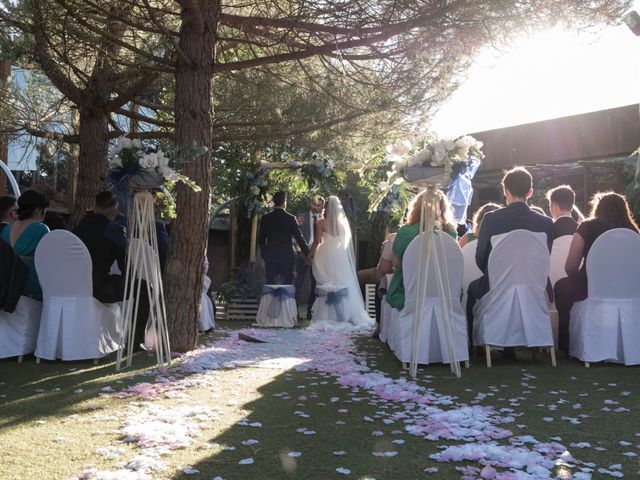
[5, 73]
[92, 161]
[194, 118]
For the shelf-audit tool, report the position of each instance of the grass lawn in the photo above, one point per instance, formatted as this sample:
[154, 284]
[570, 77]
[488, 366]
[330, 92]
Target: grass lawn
[57, 419]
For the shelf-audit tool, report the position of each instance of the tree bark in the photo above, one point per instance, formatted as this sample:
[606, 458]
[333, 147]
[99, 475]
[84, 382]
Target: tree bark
[92, 161]
[194, 120]
[5, 73]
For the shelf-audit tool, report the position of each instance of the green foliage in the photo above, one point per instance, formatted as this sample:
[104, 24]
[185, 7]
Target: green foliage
[632, 191]
[246, 281]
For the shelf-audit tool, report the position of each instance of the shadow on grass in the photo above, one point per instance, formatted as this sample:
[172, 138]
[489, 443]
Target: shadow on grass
[33, 391]
[294, 402]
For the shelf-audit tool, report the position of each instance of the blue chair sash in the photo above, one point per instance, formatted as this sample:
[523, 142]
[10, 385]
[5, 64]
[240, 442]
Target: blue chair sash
[278, 294]
[334, 298]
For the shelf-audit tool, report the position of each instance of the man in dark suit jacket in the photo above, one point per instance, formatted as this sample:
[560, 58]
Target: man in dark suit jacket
[96, 230]
[561, 204]
[277, 229]
[517, 186]
[106, 241]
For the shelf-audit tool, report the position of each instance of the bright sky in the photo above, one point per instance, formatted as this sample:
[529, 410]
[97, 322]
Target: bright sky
[551, 74]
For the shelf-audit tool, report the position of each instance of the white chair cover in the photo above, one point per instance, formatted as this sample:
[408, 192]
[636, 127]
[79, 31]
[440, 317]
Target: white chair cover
[277, 310]
[433, 344]
[471, 270]
[19, 329]
[606, 325]
[515, 311]
[323, 312]
[207, 312]
[388, 315]
[559, 253]
[74, 325]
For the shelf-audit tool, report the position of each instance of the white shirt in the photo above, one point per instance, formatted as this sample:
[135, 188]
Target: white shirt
[312, 227]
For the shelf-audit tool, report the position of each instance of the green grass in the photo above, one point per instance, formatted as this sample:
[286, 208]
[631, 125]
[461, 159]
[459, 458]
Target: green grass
[49, 429]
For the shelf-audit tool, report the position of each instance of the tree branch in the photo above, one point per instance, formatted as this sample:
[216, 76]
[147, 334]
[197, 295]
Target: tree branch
[128, 95]
[310, 51]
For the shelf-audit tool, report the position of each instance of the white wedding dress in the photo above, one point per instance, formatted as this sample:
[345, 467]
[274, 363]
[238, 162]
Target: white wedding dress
[333, 266]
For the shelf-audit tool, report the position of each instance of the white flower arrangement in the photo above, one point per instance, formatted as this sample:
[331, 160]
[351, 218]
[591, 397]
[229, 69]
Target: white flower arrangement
[127, 158]
[430, 160]
[434, 152]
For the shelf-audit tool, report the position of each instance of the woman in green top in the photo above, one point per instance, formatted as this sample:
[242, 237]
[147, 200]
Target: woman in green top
[476, 222]
[406, 233]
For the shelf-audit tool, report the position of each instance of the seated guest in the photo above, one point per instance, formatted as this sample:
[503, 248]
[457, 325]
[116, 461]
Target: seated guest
[476, 222]
[561, 204]
[24, 235]
[384, 268]
[406, 233]
[104, 240]
[117, 229]
[54, 221]
[92, 230]
[610, 210]
[517, 185]
[8, 210]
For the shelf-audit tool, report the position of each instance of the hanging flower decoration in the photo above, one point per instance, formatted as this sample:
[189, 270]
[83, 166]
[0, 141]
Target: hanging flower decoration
[319, 169]
[442, 159]
[128, 159]
[256, 199]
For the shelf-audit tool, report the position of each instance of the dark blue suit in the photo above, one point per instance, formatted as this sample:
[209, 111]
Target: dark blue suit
[277, 229]
[515, 216]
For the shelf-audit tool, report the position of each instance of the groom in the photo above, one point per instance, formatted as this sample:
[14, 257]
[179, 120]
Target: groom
[277, 229]
[307, 222]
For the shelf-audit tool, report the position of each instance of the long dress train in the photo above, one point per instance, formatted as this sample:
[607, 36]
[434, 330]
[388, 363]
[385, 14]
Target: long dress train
[334, 265]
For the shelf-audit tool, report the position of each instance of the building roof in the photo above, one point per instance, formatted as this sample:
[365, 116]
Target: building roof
[606, 133]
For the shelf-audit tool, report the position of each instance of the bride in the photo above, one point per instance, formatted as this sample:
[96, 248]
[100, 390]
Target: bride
[334, 265]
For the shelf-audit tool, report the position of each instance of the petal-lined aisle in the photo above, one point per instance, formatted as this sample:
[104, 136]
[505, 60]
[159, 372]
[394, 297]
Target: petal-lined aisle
[339, 389]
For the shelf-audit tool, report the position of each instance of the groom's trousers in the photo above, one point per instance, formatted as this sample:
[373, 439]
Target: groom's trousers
[284, 268]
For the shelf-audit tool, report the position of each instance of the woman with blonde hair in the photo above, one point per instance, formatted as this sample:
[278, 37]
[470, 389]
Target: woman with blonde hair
[406, 233]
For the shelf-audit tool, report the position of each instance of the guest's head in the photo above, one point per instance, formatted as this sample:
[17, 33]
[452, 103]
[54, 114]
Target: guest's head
[611, 210]
[517, 184]
[107, 204]
[479, 215]
[317, 204]
[32, 205]
[8, 209]
[447, 221]
[561, 201]
[280, 199]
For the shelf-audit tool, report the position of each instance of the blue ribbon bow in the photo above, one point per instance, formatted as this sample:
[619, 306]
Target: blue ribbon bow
[279, 294]
[334, 298]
